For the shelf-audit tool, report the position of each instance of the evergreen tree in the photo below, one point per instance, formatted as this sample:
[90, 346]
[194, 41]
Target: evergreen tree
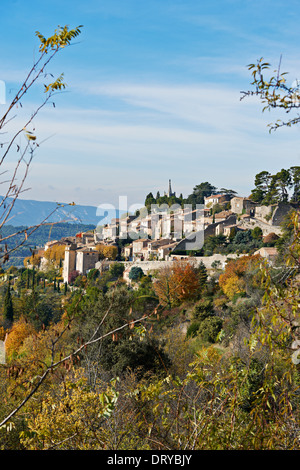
[200, 191]
[262, 186]
[282, 182]
[33, 277]
[295, 175]
[202, 274]
[8, 306]
[149, 200]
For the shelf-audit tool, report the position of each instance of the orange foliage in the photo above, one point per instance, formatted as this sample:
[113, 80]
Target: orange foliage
[33, 260]
[186, 280]
[17, 335]
[55, 254]
[2, 333]
[107, 251]
[232, 280]
[177, 283]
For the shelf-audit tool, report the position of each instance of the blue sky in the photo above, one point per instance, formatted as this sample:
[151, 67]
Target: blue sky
[153, 93]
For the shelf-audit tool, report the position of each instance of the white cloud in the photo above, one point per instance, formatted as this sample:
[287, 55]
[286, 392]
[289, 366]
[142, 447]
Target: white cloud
[153, 132]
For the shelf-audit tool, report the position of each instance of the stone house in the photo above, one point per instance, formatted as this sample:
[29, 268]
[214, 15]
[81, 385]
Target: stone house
[127, 252]
[268, 253]
[243, 205]
[111, 231]
[103, 265]
[154, 247]
[165, 250]
[80, 259]
[210, 201]
[125, 226]
[140, 248]
[227, 230]
[86, 259]
[220, 216]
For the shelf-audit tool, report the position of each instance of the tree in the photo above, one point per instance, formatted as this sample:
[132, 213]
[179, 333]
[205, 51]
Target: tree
[262, 184]
[178, 283]
[233, 280]
[257, 233]
[187, 281]
[243, 236]
[200, 191]
[8, 312]
[33, 260]
[295, 176]
[55, 254]
[150, 200]
[77, 411]
[282, 182]
[16, 336]
[214, 243]
[23, 141]
[210, 328]
[136, 273]
[72, 276]
[93, 274]
[117, 269]
[202, 274]
[273, 189]
[58, 352]
[228, 192]
[107, 251]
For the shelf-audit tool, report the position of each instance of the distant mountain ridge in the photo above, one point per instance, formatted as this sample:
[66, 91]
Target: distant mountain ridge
[31, 212]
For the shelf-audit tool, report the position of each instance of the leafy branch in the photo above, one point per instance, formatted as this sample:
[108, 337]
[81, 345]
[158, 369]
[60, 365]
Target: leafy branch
[48, 49]
[274, 92]
[94, 338]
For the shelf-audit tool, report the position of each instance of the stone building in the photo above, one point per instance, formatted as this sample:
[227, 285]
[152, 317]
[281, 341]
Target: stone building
[80, 259]
[243, 205]
[268, 253]
[210, 201]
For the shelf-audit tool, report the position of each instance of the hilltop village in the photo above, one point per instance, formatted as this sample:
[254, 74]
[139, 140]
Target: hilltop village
[156, 236]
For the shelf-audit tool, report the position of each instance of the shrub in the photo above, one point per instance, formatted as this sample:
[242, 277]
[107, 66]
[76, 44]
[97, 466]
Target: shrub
[192, 330]
[136, 273]
[209, 328]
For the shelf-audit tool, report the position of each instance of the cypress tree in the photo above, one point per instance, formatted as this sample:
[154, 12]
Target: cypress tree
[33, 278]
[8, 306]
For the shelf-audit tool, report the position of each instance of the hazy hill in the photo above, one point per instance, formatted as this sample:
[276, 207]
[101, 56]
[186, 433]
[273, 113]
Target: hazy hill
[30, 212]
[37, 239]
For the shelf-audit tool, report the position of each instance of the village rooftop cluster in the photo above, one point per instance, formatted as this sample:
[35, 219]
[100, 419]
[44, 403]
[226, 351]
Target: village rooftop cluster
[150, 239]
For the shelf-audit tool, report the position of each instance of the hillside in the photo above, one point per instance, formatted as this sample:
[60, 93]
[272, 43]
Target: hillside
[30, 212]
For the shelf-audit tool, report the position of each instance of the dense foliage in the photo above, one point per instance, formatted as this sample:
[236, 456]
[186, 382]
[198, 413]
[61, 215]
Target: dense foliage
[183, 359]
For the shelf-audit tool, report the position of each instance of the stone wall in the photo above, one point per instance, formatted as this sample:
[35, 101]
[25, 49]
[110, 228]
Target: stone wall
[281, 211]
[264, 213]
[274, 215]
[148, 266]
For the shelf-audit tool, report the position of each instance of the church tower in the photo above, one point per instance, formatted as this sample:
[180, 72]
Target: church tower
[170, 193]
